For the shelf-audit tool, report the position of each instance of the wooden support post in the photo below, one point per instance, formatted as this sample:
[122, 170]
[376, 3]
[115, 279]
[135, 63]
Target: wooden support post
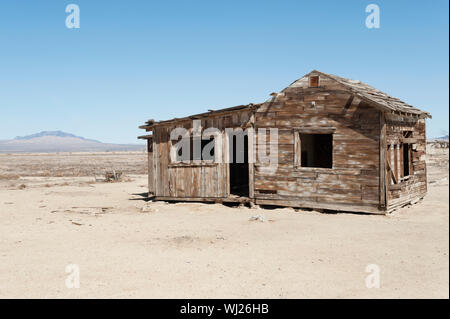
[396, 161]
[251, 160]
[402, 162]
[297, 150]
[383, 146]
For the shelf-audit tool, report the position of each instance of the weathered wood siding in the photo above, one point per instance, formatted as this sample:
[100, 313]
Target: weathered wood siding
[367, 173]
[401, 189]
[150, 166]
[204, 180]
[353, 183]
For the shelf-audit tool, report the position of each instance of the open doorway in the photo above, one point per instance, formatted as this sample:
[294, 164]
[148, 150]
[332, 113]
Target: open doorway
[238, 155]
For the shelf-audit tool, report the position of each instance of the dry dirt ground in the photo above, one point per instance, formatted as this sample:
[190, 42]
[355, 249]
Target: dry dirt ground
[53, 213]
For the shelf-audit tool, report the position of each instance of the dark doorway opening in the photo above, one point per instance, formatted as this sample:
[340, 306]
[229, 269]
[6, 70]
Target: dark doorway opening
[238, 156]
[406, 159]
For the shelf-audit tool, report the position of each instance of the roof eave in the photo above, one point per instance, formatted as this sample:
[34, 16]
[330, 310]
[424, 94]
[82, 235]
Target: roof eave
[248, 107]
[145, 137]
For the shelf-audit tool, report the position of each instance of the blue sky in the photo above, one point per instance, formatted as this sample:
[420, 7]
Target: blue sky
[135, 60]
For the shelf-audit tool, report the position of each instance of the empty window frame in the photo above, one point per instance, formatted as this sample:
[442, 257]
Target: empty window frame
[208, 150]
[314, 150]
[314, 81]
[406, 155]
[390, 164]
[399, 157]
[185, 152]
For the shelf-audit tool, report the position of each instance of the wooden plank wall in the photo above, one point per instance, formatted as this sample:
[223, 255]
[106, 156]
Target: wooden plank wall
[354, 180]
[150, 166]
[401, 190]
[205, 180]
[365, 154]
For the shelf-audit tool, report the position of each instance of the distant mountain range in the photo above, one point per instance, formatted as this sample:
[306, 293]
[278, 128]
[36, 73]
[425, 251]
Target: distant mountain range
[442, 138]
[58, 141]
[52, 133]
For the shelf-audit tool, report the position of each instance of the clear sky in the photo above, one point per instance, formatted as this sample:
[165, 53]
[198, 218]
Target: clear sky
[134, 60]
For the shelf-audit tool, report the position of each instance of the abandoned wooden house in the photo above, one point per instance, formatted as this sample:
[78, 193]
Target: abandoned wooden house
[324, 142]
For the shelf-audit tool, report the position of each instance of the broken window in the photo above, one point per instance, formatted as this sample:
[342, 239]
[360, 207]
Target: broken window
[406, 156]
[181, 151]
[207, 149]
[314, 150]
[185, 150]
[399, 158]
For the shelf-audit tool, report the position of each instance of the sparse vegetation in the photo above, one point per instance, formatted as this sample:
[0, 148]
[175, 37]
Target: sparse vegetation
[71, 164]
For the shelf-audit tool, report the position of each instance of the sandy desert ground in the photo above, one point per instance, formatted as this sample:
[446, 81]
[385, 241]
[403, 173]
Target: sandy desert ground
[54, 213]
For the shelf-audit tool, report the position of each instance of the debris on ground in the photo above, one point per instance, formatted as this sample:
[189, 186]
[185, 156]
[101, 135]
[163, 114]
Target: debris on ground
[254, 206]
[92, 211]
[149, 209]
[260, 218]
[110, 176]
[113, 176]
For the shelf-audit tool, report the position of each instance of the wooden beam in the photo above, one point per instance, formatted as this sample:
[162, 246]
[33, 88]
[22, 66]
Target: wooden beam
[383, 186]
[251, 159]
[391, 172]
[396, 161]
[402, 163]
[408, 140]
[316, 205]
[145, 137]
[297, 150]
[316, 130]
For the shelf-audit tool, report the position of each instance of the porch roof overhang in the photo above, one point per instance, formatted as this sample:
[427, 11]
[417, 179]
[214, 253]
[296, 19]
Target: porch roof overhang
[150, 124]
